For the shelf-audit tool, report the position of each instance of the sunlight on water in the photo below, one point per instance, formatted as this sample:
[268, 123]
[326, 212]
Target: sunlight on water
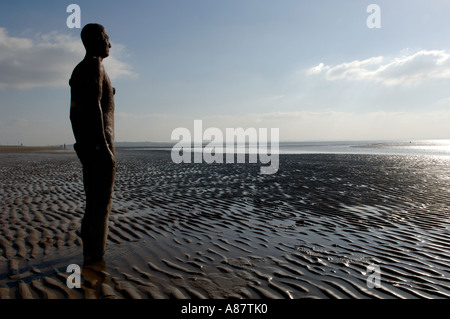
[442, 146]
[420, 147]
[423, 147]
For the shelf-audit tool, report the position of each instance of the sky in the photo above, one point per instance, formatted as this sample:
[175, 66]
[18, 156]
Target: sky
[313, 69]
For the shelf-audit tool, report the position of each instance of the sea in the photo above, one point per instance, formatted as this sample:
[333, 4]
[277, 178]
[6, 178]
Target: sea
[435, 147]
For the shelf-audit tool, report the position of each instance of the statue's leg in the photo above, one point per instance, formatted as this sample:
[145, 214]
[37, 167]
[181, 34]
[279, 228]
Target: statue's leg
[99, 181]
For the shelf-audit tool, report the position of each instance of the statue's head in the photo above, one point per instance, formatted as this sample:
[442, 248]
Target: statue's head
[96, 40]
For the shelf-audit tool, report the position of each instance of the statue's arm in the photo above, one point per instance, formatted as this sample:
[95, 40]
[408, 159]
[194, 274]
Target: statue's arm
[98, 115]
[87, 115]
[91, 92]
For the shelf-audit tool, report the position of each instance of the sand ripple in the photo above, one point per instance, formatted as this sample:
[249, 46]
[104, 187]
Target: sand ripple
[225, 231]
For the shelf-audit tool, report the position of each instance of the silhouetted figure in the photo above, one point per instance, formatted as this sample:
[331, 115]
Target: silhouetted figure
[92, 118]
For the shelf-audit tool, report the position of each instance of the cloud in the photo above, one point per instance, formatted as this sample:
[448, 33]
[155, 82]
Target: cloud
[114, 66]
[409, 69]
[47, 60]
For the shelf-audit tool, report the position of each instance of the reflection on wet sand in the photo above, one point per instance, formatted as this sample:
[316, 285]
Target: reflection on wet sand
[226, 231]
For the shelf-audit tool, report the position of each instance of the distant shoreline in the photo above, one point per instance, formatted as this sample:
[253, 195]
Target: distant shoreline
[24, 149]
[407, 147]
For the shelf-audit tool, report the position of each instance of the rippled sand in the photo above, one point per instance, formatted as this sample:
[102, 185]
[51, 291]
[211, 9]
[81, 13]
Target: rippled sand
[225, 231]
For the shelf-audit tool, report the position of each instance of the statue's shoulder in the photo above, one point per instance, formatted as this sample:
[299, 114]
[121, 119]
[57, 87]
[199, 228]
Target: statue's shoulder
[87, 69]
[90, 65]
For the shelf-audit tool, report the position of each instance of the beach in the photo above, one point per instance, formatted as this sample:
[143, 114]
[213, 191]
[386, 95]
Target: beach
[215, 231]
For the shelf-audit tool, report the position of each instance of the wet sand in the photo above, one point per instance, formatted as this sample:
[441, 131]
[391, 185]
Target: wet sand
[225, 231]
